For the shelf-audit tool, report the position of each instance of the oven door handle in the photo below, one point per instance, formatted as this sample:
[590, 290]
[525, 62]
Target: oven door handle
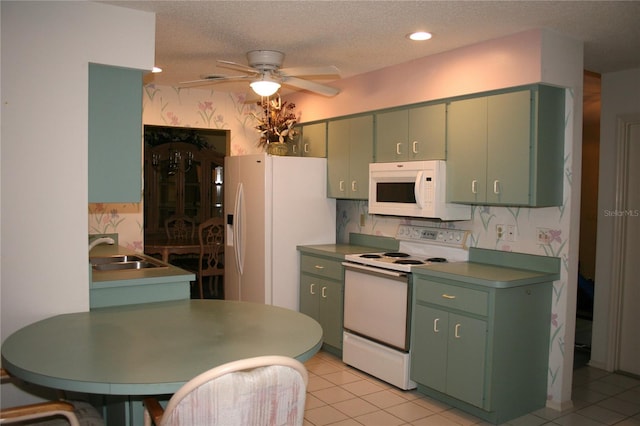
[372, 270]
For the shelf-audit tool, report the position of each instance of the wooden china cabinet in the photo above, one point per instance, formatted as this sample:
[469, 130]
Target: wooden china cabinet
[181, 178]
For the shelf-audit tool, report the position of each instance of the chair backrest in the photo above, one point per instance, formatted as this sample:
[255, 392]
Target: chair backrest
[267, 390]
[179, 228]
[211, 236]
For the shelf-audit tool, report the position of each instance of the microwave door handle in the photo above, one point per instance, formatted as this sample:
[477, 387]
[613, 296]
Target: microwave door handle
[417, 189]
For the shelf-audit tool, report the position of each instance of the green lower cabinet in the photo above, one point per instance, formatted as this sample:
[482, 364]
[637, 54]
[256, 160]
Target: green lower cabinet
[322, 297]
[322, 300]
[483, 350]
[456, 342]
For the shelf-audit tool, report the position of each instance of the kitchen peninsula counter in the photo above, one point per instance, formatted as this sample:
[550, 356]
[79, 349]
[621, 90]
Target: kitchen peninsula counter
[124, 287]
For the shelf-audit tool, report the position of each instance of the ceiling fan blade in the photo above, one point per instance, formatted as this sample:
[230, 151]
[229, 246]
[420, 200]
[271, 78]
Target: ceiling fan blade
[310, 86]
[240, 67]
[311, 71]
[214, 78]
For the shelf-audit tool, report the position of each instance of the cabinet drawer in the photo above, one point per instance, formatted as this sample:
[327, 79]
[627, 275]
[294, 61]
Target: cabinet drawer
[453, 297]
[321, 266]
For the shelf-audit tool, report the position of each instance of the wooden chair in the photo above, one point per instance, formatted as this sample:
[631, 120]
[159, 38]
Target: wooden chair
[74, 413]
[180, 228]
[267, 390]
[211, 264]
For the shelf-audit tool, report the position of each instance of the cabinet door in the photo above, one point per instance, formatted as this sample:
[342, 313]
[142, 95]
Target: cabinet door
[115, 134]
[309, 288]
[509, 148]
[467, 150]
[360, 155]
[313, 141]
[466, 359]
[391, 136]
[338, 158]
[330, 312]
[427, 133]
[429, 353]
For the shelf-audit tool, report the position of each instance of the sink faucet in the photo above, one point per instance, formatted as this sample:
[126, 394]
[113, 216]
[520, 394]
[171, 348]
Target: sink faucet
[102, 240]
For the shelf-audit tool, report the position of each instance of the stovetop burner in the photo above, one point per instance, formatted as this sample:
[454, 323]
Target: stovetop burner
[371, 256]
[396, 254]
[409, 262]
[437, 259]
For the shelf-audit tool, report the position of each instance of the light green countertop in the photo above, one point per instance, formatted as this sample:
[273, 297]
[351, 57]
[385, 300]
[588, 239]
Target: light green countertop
[140, 276]
[496, 269]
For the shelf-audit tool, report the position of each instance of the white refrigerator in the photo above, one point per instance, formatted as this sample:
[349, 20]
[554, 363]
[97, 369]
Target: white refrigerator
[272, 204]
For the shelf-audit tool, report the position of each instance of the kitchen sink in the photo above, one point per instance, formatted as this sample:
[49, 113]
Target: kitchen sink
[124, 263]
[115, 259]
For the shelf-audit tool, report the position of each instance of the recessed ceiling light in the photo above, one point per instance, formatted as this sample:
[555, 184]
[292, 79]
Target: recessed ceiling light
[419, 36]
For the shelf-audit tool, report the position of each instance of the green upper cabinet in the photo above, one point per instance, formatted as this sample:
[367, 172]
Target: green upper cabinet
[507, 149]
[115, 134]
[349, 152]
[416, 133]
[311, 141]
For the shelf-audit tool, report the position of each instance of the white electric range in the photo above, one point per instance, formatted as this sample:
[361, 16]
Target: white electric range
[377, 299]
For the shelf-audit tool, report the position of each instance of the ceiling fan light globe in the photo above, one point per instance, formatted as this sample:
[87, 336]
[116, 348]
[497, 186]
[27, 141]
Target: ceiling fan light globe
[264, 87]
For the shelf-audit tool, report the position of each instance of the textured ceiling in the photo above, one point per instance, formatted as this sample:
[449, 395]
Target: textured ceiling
[361, 36]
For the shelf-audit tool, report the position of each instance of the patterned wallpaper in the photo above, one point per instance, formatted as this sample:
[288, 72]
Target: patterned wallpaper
[172, 106]
[221, 110]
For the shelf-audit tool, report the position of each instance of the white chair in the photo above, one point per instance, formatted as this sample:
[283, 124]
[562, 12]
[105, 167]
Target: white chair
[267, 390]
[50, 413]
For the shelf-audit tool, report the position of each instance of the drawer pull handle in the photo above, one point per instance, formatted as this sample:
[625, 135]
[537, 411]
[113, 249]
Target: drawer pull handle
[457, 331]
[448, 296]
[415, 147]
[324, 292]
[398, 148]
[341, 187]
[474, 186]
[311, 288]
[318, 266]
[435, 325]
[354, 186]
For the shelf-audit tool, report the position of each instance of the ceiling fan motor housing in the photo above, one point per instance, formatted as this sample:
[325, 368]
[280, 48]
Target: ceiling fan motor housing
[265, 59]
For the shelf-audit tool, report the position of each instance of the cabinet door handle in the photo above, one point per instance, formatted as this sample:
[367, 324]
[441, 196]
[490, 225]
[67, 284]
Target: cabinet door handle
[414, 147]
[306, 148]
[294, 149]
[496, 186]
[311, 288]
[341, 186]
[456, 332]
[318, 266]
[324, 292]
[354, 186]
[435, 325]
[448, 296]
[474, 186]
[398, 148]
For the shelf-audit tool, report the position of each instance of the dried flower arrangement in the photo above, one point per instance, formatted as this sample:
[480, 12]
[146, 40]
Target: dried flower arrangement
[276, 124]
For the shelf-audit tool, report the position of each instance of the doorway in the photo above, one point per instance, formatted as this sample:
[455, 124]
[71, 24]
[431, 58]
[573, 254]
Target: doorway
[183, 185]
[588, 217]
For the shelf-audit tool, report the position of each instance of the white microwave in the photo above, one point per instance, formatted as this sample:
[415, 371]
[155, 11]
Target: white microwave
[414, 189]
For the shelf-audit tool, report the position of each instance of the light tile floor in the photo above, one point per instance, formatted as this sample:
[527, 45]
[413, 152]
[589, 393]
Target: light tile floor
[339, 395]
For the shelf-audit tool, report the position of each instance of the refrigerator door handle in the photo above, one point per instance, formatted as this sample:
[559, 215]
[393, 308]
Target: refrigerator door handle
[238, 212]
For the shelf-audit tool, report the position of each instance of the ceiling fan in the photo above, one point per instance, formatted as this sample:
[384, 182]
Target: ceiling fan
[266, 76]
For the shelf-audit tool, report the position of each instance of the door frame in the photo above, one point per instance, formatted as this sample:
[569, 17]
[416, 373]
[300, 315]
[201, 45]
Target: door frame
[623, 133]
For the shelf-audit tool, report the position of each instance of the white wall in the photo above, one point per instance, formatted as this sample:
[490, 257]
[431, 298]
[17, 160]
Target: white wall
[620, 96]
[46, 47]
